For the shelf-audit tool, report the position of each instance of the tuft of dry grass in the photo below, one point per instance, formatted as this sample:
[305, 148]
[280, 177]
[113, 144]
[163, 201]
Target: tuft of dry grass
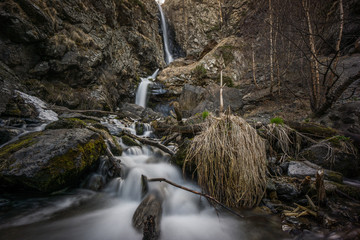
[230, 161]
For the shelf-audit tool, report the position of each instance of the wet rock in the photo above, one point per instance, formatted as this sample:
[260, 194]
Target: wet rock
[50, 160]
[341, 161]
[137, 112]
[301, 170]
[286, 191]
[149, 207]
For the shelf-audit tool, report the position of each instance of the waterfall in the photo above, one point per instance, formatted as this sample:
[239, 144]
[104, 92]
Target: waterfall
[142, 91]
[168, 57]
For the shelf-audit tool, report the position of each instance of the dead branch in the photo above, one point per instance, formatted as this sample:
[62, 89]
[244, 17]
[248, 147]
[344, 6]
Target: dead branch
[195, 192]
[151, 143]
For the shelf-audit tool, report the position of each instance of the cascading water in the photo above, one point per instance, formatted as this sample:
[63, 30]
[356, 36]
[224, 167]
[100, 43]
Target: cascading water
[107, 215]
[142, 91]
[168, 56]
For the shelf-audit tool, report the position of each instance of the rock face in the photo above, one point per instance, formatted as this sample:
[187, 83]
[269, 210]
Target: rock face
[199, 23]
[195, 99]
[81, 54]
[50, 160]
[228, 55]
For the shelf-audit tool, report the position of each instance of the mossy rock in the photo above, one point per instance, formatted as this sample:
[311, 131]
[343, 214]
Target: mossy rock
[129, 141]
[50, 160]
[351, 191]
[67, 123]
[313, 129]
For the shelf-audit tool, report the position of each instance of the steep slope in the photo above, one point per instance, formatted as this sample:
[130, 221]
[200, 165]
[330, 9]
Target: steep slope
[80, 54]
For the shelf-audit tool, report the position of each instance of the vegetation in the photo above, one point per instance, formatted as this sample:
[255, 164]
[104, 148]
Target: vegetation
[277, 120]
[199, 71]
[205, 114]
[230, 161]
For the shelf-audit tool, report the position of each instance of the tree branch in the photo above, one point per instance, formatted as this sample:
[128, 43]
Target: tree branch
[195, 192]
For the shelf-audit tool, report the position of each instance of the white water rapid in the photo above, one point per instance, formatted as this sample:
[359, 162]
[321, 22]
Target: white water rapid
[142, 91]
[168, 56]
[107, 215]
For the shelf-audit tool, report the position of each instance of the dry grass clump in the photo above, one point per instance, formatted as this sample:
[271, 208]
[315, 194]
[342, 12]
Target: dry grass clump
[230, 160]
[284, 139]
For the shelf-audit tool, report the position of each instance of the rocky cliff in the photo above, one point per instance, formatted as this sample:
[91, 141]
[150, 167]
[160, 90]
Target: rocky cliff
[80, 54]
[199, 23]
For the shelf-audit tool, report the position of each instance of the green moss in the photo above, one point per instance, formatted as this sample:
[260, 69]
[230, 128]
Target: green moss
[277, 120]
[349, 190]
[334, 176]
[23, 142]
[67, 169]
[205, 114]
[67, 123]
[338, 139]
[117, 151]
[314, 129]
[129, 141]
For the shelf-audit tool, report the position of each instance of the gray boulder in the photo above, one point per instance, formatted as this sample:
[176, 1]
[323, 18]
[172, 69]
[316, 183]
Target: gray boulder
[50, 160]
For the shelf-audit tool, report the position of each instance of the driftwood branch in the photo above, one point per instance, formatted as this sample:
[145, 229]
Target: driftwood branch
[151, 143]
[192, 129]
[195, 192]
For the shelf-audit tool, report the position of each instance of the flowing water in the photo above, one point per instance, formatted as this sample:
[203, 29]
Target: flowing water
[168, 56]
[142, 91]
[87, 215]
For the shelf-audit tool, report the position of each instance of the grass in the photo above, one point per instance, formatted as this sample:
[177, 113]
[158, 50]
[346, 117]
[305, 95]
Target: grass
[277, 120]
[230, 161]
[205, 114]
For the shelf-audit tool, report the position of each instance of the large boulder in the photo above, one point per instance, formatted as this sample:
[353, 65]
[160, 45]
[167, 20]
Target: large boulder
[332, 158]
[195, 99]
[50, 160]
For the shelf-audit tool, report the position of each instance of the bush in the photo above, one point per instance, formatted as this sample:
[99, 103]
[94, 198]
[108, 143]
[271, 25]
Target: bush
[199, 71]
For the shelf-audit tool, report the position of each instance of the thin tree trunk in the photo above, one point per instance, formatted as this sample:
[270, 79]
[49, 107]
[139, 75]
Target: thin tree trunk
[271, 48]
[254, 65]
[313, 62]
[221, 93]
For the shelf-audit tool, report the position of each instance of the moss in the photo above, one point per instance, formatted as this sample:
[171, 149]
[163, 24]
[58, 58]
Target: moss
[349, 190]
[23, 142]
[129, 141]
[314, 129]
[67, 123]
[337, 140]
[334, 176]
[67, 169]
[277, 120]
[117, 150]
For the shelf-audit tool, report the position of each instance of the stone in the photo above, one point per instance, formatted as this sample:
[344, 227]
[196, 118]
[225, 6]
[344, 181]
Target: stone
[85, 61]
[286, 191]
[301, 170]
[341, 161]
[50, 160]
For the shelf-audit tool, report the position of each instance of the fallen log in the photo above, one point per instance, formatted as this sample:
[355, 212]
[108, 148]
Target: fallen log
[150, 142]
[195, 192]
[168, 129]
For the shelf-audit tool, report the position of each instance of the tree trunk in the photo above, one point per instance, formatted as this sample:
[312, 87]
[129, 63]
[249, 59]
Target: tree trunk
[271, 48]
[254, 65]
[315, 73]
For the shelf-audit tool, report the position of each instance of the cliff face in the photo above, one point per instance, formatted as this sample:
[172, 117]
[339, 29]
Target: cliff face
[79, 53]
[198, 23]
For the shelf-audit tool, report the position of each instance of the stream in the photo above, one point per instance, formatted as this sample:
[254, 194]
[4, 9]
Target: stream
[83, 214]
